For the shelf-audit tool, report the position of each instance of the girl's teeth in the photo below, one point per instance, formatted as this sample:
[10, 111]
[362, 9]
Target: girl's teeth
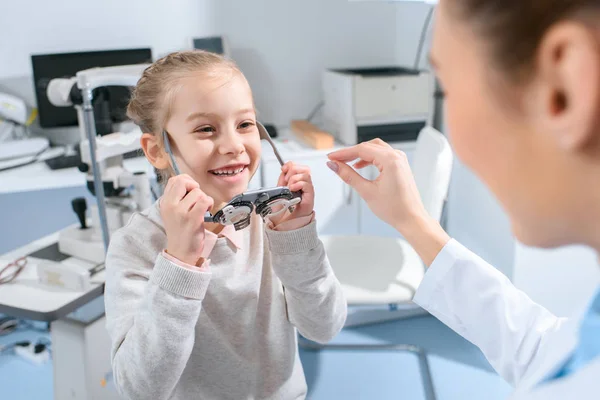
[228, 172]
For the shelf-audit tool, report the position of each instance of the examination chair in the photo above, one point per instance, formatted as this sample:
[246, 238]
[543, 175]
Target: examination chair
[380, 274]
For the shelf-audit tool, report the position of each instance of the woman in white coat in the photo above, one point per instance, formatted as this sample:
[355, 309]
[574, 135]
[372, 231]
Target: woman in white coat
[522, 83]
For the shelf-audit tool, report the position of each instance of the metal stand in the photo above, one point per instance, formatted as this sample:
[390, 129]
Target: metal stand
[90, 130]
[419, 352]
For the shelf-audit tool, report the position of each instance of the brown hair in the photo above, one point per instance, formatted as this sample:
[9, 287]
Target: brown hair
[152, 97]
[515, 28]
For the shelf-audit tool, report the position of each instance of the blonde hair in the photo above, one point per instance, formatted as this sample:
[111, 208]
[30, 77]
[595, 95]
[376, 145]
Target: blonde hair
[151, 99]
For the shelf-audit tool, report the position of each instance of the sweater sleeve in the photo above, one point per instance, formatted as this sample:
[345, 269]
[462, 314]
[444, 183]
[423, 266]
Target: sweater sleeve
[315, 299]
[152, 307]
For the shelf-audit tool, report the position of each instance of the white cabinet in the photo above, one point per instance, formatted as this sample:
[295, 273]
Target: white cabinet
[338, 208]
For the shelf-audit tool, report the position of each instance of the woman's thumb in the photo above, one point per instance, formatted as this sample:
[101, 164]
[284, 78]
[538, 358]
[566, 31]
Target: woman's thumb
[349, 175]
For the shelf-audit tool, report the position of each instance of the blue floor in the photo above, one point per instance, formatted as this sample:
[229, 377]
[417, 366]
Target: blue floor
[459, 370]
[20, 379]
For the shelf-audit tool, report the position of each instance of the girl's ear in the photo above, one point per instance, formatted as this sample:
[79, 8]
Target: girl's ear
[154, 151]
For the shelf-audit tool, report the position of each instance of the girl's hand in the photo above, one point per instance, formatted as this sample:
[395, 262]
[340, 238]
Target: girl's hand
[297, 178]
[182, 209]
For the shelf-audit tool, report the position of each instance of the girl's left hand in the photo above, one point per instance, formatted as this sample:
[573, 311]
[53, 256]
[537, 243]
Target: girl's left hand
[297, 178]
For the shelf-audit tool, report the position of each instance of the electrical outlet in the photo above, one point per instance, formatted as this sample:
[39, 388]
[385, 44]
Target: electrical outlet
[35, 353]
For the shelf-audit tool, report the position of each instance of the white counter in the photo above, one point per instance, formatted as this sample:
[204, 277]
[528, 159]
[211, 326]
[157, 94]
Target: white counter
[39, 177]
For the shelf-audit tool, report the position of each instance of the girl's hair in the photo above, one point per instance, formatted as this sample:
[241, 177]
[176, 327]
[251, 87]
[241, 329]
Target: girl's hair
[152, 97]
[514, 29]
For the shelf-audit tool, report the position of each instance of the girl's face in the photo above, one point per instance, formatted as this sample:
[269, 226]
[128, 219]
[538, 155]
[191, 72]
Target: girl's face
[213, 133]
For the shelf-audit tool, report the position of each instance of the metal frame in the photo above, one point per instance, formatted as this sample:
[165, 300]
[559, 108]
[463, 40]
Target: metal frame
[90, 130]
[416, 350]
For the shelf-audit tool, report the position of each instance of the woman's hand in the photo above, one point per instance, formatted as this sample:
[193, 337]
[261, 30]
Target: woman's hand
[393, 196]
[182, 209]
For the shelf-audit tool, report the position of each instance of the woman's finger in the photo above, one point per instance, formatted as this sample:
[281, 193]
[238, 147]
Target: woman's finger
[360, 164]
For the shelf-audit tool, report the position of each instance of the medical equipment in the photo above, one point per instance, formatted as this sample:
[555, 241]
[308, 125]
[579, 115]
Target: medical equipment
[109, 102]
[267, 202]
[14, 149]
[13, 109]
[16, 145]
[71, 274]
[118, 191]
[214, 44]
[390, 103]
[22, 148]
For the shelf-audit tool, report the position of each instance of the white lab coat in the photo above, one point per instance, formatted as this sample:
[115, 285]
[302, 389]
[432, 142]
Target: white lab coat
[523, 341]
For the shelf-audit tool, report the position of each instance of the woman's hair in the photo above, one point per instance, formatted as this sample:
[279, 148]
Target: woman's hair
[514, 29]
[152, 97]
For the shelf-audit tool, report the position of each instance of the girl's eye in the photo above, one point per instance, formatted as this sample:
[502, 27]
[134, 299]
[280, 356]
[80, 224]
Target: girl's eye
[205, 129]
[246, 125]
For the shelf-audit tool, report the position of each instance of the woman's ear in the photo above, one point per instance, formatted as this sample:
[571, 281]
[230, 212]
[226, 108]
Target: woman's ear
[154, 151]
[568, 94]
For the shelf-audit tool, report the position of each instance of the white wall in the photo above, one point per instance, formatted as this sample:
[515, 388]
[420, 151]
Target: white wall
[411, 18]
[283, 46]
[34, 26]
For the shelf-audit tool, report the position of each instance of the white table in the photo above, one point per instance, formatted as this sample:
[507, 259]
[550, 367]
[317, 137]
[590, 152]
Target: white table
[80, 342]
[26, 298]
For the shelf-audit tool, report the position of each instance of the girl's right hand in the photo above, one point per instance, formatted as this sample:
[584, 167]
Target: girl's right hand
[182, 209]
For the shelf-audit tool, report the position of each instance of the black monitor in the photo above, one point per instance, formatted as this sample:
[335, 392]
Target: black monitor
[65, 65]
[214, 44]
